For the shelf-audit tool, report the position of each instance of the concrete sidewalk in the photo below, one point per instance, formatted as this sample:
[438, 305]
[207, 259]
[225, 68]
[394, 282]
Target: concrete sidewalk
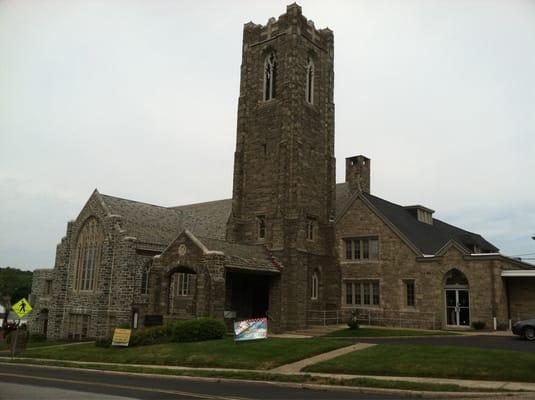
[297, 366]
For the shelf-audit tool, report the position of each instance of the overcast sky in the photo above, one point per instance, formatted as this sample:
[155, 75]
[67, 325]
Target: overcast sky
[139, 100]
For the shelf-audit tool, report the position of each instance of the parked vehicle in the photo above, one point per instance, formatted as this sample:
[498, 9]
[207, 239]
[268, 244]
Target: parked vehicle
[525, 328]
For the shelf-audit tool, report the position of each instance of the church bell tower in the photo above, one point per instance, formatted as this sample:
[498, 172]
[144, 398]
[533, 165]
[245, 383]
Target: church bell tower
[284, 165]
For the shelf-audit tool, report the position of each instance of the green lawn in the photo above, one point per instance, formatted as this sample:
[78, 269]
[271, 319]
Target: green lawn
[5, 346]
[380, 332]
[224, 353]
[434, 361]
[265, 376]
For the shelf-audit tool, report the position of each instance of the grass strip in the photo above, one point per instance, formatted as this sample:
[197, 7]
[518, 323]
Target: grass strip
[434, 361]
[224, 353]
[378, 332]
[266, 376]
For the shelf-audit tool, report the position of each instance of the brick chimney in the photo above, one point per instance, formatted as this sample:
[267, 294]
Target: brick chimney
[358, 173]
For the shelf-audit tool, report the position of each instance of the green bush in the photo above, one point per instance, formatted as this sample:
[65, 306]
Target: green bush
[478, 325]
[150, 335]
[37, 337]
[124, 325]
[103, 342]
[197, 330]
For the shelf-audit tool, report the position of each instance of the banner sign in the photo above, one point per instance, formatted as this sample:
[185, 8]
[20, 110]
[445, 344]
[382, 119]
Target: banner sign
[250, 329]
[121, 337]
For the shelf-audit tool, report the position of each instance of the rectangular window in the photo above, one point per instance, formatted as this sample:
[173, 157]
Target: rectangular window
[349, 249]
[363, 292]
[362, 248]
[375, 293]
[409, 293]
[184, 284]
[366, 293]
[349, 293]
[48, 287]
[78, 326]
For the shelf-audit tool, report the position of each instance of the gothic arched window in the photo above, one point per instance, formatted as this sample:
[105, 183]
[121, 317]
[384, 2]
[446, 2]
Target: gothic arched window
[88, 250]
[270, 68]
[309, 94]
[314, 287]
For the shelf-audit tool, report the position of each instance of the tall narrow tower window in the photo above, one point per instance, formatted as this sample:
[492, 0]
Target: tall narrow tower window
[269, 77]
[261, 227]
[310, 82]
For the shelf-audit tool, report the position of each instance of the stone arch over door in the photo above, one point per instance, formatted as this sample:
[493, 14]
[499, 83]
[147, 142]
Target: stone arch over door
[181, 291]
[456, 288]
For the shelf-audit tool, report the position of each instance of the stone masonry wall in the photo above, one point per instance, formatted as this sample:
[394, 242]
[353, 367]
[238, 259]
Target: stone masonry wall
[398, 262]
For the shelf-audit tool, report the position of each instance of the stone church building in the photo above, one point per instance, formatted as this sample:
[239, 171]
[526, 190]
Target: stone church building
[291, 244]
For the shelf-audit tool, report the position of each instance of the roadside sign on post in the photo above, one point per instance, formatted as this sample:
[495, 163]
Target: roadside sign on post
[121, 337]
[22, 307]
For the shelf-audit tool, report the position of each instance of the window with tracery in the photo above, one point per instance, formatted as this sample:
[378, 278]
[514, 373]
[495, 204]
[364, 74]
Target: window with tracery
[88, 252]
[270, 68]
[310, 82]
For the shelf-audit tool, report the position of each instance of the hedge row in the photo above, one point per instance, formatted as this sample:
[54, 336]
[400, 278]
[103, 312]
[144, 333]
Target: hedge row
[195, 330]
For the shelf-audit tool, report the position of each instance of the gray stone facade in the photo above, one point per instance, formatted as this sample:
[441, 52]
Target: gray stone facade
[278, 247]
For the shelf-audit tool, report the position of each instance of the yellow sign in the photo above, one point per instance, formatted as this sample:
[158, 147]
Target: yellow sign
[22, 307]
[121, 337]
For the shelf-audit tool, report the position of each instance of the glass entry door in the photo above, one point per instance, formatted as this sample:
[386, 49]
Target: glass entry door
[457, 307]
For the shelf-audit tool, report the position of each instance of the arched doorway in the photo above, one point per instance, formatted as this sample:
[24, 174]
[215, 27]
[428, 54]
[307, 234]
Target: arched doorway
[457, 299]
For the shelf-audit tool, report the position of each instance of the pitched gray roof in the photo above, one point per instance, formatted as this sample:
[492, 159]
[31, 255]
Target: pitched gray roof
[146, 222]
[206, 219]
[428, 238]
[254, 258]
[156, 224]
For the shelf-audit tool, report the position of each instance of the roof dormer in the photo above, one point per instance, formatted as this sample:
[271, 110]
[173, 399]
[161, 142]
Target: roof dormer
[421, 213]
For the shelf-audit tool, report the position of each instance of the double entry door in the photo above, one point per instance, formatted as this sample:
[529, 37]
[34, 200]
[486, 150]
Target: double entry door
[458, 307]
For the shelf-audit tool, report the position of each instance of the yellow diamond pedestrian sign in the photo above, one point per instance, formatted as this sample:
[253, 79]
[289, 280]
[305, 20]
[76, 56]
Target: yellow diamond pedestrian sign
[22, 307]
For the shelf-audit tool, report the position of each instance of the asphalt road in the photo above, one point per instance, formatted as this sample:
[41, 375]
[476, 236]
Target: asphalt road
[32, 382]
[513, 343]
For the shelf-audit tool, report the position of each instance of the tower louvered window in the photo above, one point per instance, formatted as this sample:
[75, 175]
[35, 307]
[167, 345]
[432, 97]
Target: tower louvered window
[269, 76]
[310, 81]
[88, 252]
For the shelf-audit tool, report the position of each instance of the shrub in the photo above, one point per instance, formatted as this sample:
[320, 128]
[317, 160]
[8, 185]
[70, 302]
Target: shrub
[124, 325]
[478, 325]
[37, 337]
[150, 335]
[353, 321]
[103, 342]
[197, 330]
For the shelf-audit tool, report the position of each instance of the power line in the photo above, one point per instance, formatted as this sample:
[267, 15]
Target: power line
[526, 254]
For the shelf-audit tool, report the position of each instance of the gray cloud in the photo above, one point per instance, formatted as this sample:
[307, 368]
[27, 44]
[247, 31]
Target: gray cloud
[139, 99]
